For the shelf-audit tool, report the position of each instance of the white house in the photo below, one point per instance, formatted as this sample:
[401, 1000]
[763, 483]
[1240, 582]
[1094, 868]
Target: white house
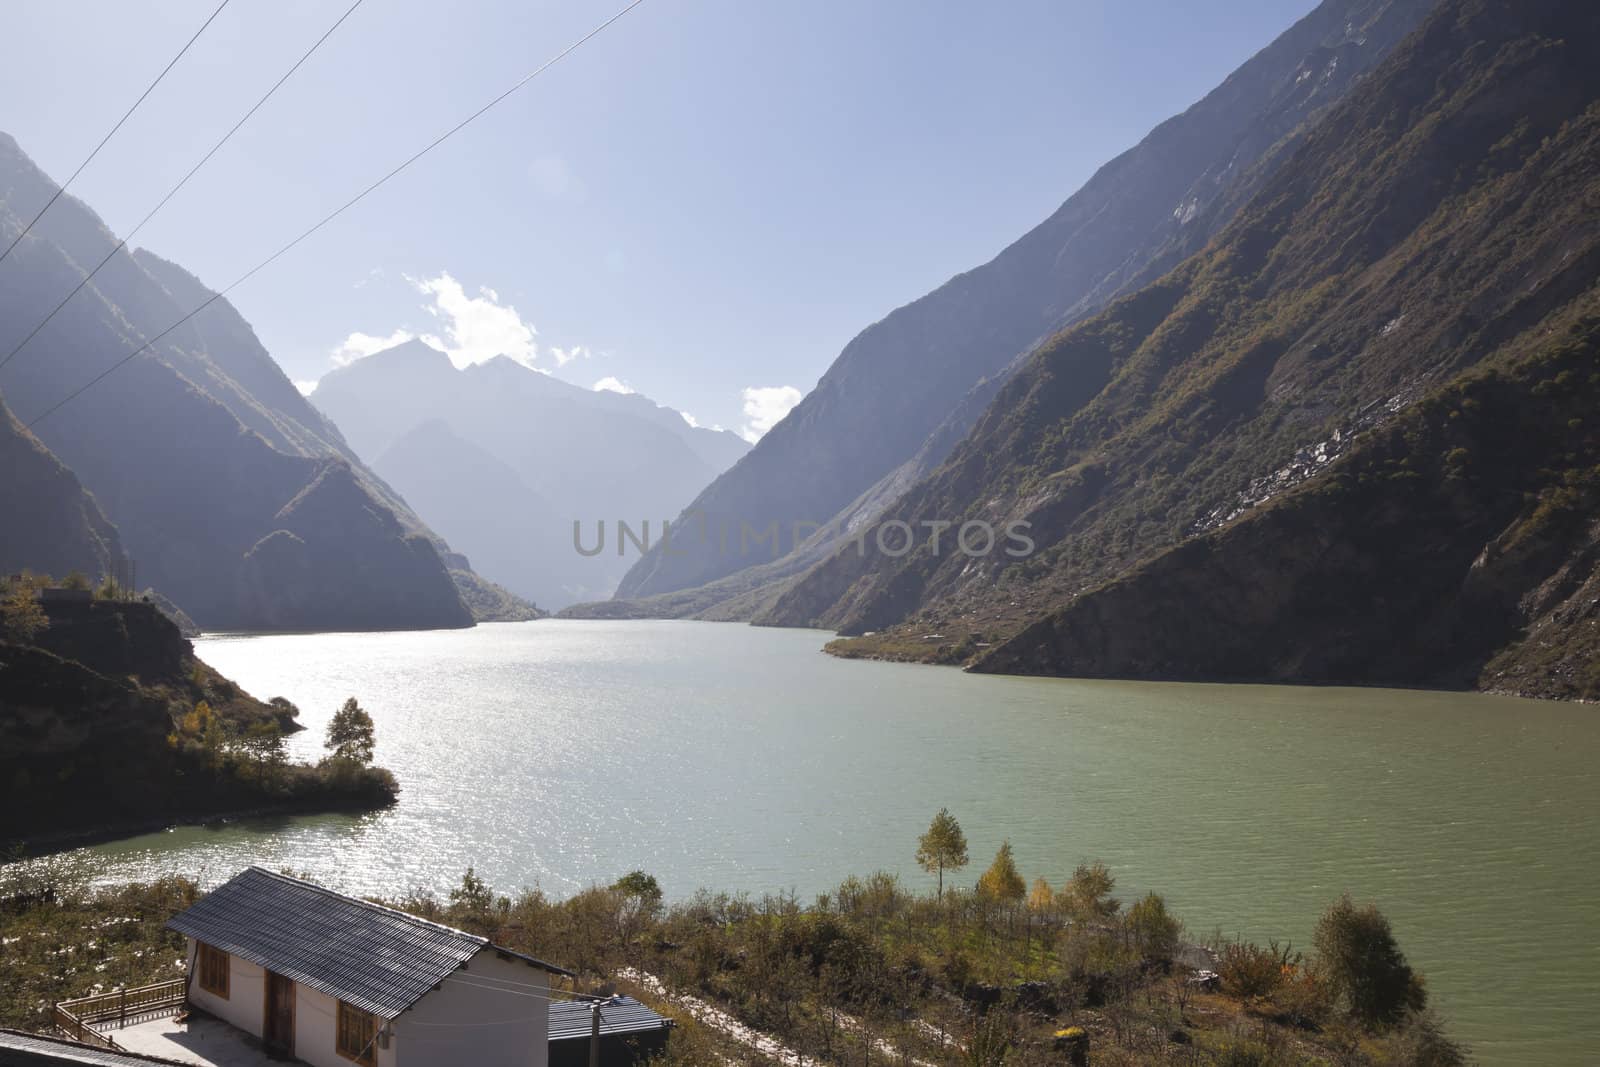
[333, 980]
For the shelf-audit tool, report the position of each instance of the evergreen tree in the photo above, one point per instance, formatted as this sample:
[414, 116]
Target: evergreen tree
[943, 847]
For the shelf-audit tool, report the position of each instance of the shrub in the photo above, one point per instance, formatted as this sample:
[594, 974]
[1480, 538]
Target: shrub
[1251, 972]
[1364, 964]
[1419, 1041]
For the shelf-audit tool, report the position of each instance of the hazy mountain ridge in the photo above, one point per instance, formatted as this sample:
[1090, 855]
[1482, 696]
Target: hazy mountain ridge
[194, 447]
[506, 458]
[897, 398]
[52, 525]
[1441, 218]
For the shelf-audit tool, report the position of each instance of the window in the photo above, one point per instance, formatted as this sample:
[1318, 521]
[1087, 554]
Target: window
[213, 964]
[358, 1033]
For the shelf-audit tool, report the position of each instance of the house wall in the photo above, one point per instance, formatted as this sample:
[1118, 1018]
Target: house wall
[246, 993]
[506, 1025]
[316, 1028]
[315, 1014]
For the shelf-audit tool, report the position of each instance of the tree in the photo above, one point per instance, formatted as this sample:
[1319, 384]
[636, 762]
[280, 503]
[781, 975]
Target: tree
[1002, 881]
[1364, 964]
[350, 734]
[21, 616]
[473, 895]
[1040, 898]
[943, 847]
[262, 744]
[1154, 930]
[641, 885]
[1088, 891]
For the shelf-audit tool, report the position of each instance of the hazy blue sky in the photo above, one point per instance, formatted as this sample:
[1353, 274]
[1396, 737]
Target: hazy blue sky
[713, 195]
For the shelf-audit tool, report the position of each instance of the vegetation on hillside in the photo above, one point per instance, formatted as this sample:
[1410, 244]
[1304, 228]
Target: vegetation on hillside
[108, 720]
[1436, 222]
[871, 972]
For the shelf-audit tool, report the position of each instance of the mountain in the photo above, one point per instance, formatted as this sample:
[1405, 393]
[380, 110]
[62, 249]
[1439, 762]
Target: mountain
[905, 390]
[483, 505]
[220, 477]
[1352, 440]
[505, 459]
[52, 525]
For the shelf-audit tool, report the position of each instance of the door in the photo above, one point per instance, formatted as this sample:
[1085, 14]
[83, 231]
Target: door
[277, 1028]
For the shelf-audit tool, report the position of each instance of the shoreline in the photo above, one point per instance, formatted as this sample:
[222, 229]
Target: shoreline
[55, 842]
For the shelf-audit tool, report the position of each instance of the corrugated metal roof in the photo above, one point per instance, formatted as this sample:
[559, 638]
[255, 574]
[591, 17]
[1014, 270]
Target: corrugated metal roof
[621, 1015]
[375, 958]
[18, 1049]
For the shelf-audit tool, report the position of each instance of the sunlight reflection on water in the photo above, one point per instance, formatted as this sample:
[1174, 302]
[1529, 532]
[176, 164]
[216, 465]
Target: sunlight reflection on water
[564, 753]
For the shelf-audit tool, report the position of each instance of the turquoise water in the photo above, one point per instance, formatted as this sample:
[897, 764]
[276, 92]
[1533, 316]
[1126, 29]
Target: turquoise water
[563, 753]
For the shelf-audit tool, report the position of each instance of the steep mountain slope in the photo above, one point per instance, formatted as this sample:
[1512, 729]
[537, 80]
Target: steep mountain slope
[1443, 217]
[895, 400]
[557, 454]
[1466, 531]
[197, 447]
[51, 525]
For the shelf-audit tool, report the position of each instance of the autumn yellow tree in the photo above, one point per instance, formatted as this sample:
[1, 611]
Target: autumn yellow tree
[1040, 898]
[1002, 880]
[21, 617]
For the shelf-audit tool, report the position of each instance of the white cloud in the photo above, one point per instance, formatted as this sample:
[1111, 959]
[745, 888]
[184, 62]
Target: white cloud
[693, 422]
[764, 407]
[477, 328]
[360, 345]
[473, 328]
[306, 387]
[611, 384]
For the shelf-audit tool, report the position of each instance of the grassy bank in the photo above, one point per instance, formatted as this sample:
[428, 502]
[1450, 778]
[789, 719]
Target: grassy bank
[871, 973]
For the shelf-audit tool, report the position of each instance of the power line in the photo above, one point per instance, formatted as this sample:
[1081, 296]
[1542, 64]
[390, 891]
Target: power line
[129, 236]
[347, 205]
[553, 995]
[63, 187]
[476, 977]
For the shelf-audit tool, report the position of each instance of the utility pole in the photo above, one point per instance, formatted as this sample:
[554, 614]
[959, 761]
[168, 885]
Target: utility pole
[594, 1034]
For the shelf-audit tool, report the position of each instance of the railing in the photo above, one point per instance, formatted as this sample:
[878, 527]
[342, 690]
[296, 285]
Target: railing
[77, 1018]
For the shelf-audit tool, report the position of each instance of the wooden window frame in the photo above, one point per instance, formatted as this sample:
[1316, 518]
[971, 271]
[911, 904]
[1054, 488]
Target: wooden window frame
[370, 1043]
[208, 962]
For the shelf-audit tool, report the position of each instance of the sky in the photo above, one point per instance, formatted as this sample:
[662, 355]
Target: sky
[703, 204]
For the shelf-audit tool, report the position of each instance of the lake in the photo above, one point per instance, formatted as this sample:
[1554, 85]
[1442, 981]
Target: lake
[563, 753]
